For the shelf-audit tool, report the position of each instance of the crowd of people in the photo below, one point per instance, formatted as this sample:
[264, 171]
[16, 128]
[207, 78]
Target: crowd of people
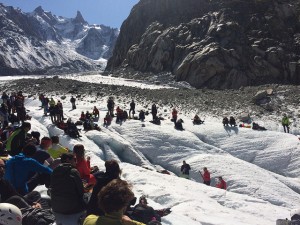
[75, 188]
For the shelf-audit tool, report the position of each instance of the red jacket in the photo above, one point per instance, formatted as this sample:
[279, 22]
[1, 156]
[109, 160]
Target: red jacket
[85, 171]
[222, 185]
[174, 113]
[206, 176]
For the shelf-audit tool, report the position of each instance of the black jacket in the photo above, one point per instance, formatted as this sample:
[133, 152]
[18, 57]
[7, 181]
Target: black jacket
[102, 180]
[66, 190]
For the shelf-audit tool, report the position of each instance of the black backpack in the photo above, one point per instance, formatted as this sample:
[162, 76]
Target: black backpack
[37, 216]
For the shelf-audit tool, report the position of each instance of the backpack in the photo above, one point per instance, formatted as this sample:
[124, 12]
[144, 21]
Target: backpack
[37, 216]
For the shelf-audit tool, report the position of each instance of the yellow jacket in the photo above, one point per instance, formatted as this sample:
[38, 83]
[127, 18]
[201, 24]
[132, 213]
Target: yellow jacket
[108, 219]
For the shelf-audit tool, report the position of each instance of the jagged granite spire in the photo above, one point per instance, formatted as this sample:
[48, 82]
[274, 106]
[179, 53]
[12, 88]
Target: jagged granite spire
[79, 18]
[39, 10]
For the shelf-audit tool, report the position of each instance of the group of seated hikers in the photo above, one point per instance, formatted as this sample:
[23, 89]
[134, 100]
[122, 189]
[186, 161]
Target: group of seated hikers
[77, 191]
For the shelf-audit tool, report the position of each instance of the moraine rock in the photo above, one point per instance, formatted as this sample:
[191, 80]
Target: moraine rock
[216, 44]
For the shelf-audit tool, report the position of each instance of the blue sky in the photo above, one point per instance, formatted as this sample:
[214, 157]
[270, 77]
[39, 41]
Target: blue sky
[108, 12]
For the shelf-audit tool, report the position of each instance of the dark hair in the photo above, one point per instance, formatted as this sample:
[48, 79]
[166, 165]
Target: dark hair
[45, 142]
[55, 139]
[113, 168]
[115, 196]
[65, 156]
[29, 150]
[79, 150]
[26, 125]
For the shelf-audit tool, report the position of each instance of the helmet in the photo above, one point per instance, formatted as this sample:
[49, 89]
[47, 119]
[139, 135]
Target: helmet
[10, 214]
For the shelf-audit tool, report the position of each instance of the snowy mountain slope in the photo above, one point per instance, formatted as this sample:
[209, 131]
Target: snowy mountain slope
[255, 195]
[40, 43]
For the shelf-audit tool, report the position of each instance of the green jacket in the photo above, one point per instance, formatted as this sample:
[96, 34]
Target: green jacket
[285, 121]
[108, 219]
[16, 141]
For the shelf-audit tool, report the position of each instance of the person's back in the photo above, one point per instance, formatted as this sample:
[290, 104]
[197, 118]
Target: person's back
[20, 167]
[56, 150]
[143, 213]
[66, 190]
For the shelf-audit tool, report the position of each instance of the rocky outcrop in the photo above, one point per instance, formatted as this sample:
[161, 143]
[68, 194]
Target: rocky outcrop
[212, 43]
[42, 43]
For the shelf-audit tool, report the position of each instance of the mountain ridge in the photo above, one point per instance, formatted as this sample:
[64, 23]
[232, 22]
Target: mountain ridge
[42, 43]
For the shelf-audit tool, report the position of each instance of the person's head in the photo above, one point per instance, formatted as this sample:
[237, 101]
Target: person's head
[113, 168]
[79, 151]
[26, 126]
[184, 162]
[143, 200]
[2, 168]
[204, 169]
[46, 143]
[220, 178]
[29, 150]
[115, 196]
[10, 214]
[68, 158]
[55, 139]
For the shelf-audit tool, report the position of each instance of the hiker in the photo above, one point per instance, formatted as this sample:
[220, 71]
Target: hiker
[132, 109]
[4, 115]
[197, 120]
[107, 119]
[205, 176]
[88, 115]
[185, 170]
[73, 100]
[285, 123]
[24, 165]
[52, 113]
[113, 199]
[60, 112]
[10, 214]
[119, 115]
[71, 129]
[113, 171]
[178, 124]
[174, 115]
[225, 121]
[56, 150]
[142, 115]
[221, 183]
[52, 102]
[232, 121]
[110, 106]
[83, 166]
[95, 112]
[17, 139]
[9, 194]
[154, 111]
[82, 116]
[144, 213]
[67, 188]
[156, 121]
[46, 105]
[255, 126]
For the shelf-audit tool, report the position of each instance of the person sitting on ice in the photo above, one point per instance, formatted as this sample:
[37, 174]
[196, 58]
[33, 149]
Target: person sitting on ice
[113, 199]
[107, 119]
[197, 120]
[221, 183]
[56, 150]
[82, 116]
[67, 189]
[178, 124]
[225, 121]
[95, 112]
[255, 126]
[232, 121]
[83, 166]
[71, 129]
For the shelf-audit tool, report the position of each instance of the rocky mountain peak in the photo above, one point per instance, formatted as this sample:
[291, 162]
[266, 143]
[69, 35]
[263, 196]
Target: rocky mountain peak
[79, 18]
[39, 10]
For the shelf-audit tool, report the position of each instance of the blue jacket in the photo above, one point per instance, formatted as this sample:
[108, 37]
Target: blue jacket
[18, 170]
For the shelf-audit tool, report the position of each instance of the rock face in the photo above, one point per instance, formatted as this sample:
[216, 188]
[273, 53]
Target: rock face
[42, 43]
[212, 43]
